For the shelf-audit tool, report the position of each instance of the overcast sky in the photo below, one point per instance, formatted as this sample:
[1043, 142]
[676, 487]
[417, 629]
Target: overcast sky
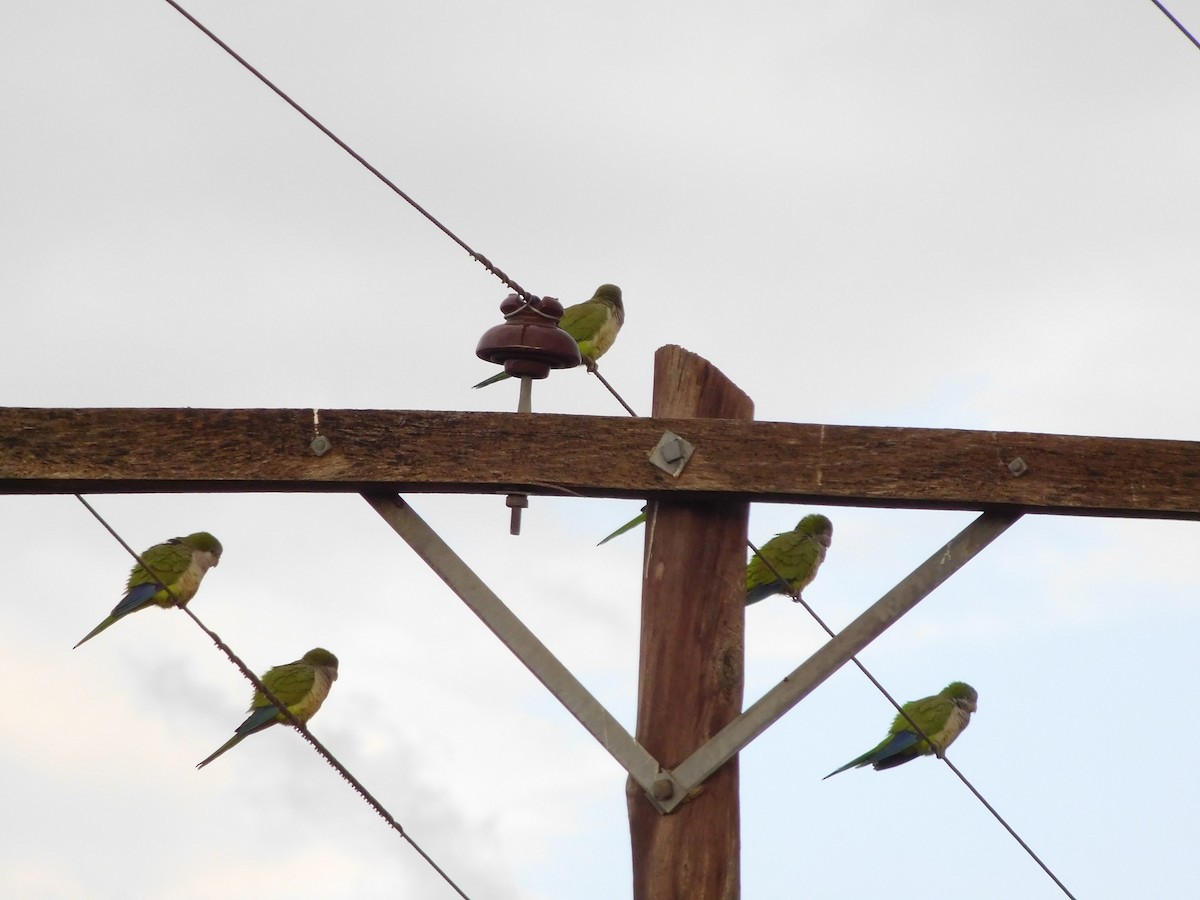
[927, 214]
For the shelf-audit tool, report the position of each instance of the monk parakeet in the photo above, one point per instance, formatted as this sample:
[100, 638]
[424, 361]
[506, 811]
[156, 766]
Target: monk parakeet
[303, 685]
[796, 554]
[942, 717]
[180, 564]
[593, 323]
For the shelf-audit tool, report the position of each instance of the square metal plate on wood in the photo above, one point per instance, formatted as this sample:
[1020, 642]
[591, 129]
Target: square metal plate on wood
[671, 453]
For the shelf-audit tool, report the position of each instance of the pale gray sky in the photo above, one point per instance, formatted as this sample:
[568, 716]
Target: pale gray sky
[928, 214]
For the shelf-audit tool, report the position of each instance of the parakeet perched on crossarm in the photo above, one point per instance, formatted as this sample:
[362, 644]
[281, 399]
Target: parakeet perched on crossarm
[303, 685]
[179, 563]
[593, 324]
[942, 717]
[797, 554]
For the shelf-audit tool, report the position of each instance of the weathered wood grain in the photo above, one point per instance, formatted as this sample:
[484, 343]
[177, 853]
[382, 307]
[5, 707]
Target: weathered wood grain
[690, 679]
[414, 451]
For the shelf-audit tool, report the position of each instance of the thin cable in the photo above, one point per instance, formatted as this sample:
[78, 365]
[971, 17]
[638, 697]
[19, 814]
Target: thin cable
[478, 257]
[1000, 819]
[797, 598]
[612, 390]
[1166, 12]
[279, 704]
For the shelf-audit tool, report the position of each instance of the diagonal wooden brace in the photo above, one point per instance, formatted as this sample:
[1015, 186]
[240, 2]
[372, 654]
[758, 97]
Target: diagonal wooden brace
[643, 768]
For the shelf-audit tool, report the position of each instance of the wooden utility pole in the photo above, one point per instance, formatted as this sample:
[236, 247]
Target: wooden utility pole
[692, 657]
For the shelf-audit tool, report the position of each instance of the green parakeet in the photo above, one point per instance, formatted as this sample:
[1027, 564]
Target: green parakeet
[942, 717]
[797, 554]
[593, 323]
[179, 563]
[303, 685]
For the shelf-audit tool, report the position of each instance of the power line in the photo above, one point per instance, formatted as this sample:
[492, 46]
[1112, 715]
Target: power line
[478, 257]
[796, 597]
[1166, 12]
[295, 722]
[358, 157]
[613, 391]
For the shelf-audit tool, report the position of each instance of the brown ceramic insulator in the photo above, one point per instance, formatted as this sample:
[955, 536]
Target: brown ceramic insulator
[529, 343]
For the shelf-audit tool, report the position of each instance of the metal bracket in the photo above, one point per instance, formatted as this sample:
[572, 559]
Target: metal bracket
[320, 444]
[518, 502]
[671, 453]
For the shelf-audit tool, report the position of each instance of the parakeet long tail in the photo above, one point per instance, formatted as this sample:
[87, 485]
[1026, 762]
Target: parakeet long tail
[95, 631]
[137, 597]
[232, 742]
[256, 721]
[499, 376]
[890, 754]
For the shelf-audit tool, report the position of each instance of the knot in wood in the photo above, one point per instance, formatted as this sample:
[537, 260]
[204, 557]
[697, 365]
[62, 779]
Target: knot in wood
[729, 673]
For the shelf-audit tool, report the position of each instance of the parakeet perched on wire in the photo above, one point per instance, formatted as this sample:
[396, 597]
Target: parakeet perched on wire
[179, 563]
[797, 554]
[593, 323]
[942, 717]
[303, 685]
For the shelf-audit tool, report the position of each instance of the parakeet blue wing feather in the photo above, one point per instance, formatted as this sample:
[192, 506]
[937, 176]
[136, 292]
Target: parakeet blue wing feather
[137, 597]
[260, 718]
[896, 759]
[762, 591]
[897, 745]
[889, 754]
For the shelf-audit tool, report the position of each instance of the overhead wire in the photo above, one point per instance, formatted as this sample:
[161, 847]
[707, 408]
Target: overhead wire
[478, 257]
[291, 717]
[613, 391]
[1166, 12]
[797, 598]
[361, 160]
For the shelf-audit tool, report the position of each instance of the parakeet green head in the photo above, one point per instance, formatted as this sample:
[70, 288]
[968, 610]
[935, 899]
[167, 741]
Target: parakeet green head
[319, 656]
[818, 526]
[204, 542]
[961, 691]
[610, 293]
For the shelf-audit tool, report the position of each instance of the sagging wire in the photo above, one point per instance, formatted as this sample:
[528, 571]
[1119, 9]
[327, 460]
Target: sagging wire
[797, 598]
[478, 257]
[249, 675]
